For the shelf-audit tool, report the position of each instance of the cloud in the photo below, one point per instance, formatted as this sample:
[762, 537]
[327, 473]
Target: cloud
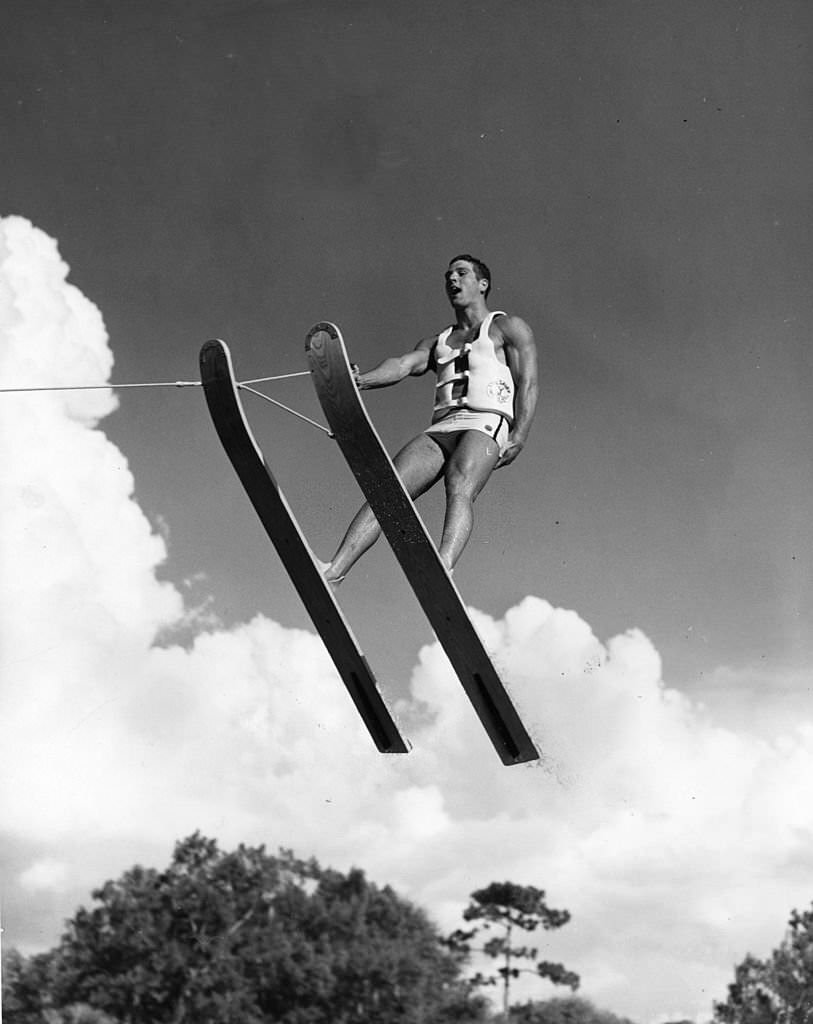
[677, 842]
[44, 875]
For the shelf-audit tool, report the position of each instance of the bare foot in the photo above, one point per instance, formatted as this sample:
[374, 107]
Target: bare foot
[324, 568]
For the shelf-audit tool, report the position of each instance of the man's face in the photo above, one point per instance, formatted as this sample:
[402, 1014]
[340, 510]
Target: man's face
[462, 284]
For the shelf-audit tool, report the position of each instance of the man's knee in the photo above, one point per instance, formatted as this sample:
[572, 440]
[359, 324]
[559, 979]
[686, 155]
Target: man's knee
[469, 475]
[460, 482]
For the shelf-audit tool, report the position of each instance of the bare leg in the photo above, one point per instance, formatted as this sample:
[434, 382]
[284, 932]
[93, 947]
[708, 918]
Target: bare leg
[420, 465]
[468, 469]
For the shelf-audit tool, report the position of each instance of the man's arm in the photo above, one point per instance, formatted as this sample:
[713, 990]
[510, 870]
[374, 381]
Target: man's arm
[396, 368]
[520, 354]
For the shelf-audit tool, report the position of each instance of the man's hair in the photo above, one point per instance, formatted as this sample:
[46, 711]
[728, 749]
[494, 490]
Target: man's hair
[480, 269]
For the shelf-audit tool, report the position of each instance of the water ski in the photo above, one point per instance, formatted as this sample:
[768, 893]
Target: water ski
[282, 528]
[413, 547]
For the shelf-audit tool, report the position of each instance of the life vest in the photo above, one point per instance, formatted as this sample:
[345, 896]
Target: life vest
[472, 377]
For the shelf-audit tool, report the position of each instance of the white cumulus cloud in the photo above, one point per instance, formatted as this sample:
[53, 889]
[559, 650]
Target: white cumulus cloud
[44, 875]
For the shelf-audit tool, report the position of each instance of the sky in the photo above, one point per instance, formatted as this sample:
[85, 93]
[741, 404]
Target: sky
[637, 175]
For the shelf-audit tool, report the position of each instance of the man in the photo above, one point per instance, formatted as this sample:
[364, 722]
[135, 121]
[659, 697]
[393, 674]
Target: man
[485, 400]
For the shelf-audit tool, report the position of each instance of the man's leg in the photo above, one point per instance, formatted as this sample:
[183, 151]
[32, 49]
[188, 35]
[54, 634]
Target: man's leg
[467, 471]
[419, 465]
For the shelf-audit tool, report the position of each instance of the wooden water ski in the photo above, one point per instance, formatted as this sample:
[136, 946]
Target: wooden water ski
[413, 547]
[275, 514]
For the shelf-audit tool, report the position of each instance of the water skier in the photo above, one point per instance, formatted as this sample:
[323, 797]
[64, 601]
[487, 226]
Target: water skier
[485, 399]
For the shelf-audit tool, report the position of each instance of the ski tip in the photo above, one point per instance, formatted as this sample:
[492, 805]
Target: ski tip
[214, 359]
[324, 327]
[212, 345]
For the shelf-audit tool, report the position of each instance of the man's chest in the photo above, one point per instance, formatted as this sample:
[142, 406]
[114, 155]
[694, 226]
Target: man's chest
[488, 343]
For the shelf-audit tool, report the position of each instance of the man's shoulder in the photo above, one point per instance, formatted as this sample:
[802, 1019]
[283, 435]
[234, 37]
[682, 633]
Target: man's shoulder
[504, 318]
[429, 342]
[512, 327]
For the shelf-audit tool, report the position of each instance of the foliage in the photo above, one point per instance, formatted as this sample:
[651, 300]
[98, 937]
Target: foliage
[26, 984]
[508, 906]
[570, 1010]
[778, 990]
[77, 1013]
[244, 938]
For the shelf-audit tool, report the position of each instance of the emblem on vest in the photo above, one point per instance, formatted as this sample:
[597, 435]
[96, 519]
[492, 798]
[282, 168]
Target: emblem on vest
[499, 390]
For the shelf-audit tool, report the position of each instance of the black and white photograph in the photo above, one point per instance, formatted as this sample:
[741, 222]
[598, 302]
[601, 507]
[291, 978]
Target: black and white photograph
[406, 511]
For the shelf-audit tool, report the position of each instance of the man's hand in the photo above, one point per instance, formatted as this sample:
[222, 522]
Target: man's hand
[512, 449]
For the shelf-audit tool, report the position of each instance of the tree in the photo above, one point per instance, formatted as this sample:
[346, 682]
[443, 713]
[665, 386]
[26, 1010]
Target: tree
[778, 990]
[77, 1013]
[245, 938]
[26, 986]
[508, 906]
[570, 1010]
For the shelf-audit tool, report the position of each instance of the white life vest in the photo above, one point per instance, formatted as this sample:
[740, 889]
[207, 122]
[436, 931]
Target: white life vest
[472, 377]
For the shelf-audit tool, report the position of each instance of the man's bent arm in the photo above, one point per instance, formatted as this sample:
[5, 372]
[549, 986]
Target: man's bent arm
[396, 368]
[520, 351]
